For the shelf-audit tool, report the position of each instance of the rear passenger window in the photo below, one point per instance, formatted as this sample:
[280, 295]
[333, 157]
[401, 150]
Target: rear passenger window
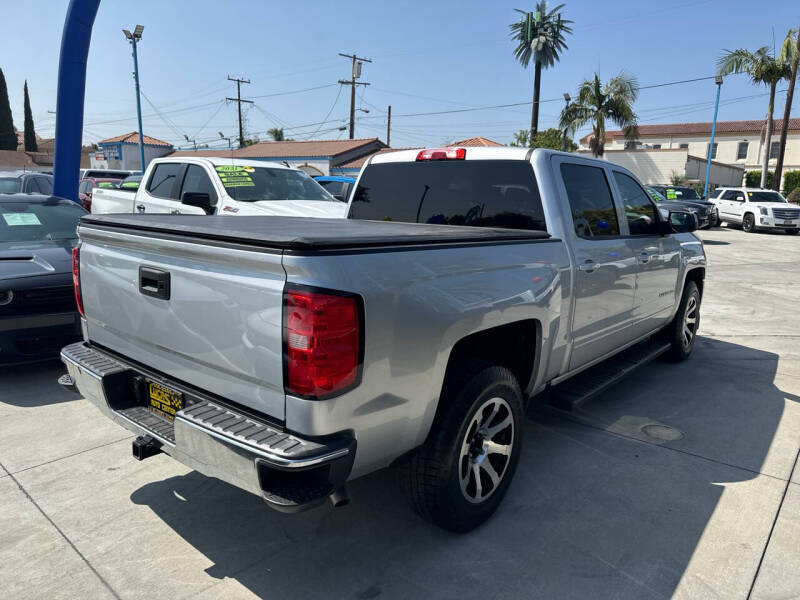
[640, 212]
[162, 182]
[197, 181]
[478, 193]
[45, 185]
[590, 201]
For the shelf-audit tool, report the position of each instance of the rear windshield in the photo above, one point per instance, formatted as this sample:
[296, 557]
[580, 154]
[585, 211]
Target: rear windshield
[36, 221]
[259, 184]
[479, 193]
[9, 185]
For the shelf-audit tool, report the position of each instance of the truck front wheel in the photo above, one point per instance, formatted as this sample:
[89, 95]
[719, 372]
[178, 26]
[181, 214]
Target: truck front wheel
[682, 330]
[458, 478]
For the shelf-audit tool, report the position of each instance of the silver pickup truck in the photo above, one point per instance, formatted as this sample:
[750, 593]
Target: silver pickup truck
[287, 356]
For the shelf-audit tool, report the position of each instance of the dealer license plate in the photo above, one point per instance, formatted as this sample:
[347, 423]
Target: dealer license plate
[788, 222]
[162, 400]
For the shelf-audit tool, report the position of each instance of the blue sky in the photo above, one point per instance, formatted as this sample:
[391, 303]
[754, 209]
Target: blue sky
[428, 56]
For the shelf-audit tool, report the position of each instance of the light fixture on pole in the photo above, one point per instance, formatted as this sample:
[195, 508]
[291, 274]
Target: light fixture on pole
[186, 137]
[134, 38]
[224, 137]
[718, 81]
[567, 99]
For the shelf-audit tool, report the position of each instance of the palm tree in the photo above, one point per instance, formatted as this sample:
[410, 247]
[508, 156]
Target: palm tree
[598, 103]
[762, 67]
[776, 181]
[276, 133]
[540, 36]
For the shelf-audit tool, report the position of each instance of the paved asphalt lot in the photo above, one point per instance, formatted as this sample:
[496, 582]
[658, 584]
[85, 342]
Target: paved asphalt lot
[598, 509]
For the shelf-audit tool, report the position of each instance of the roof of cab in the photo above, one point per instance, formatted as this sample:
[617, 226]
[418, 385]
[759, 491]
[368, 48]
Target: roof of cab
[225, 160]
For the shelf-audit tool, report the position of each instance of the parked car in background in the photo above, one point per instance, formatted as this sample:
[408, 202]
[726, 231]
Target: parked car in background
[705, 213]
[26, 182]
[87, 186]
[130, 184]
[287, 356]
[106, 173]
[754, 209]
[38, 314]
[686, 198]
[221, 186]
[336, 186]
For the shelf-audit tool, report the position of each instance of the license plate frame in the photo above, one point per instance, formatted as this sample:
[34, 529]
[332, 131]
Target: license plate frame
[789, 223]
[163, 400]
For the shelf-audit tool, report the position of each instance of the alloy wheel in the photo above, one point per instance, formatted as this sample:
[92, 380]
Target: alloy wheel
[486, 450]
[689, 322]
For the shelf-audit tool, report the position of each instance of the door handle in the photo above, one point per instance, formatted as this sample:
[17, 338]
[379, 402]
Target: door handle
[174, 211]
[588, 266]
[140, 207]
[154, 282]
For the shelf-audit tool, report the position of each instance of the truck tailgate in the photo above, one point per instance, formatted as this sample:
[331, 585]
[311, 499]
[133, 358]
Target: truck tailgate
[221, 327]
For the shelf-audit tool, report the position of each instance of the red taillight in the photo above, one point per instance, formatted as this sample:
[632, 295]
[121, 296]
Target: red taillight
[442, 154]
[323, 342]
[76, 278]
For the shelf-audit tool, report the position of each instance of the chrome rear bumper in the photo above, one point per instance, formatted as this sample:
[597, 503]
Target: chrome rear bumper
[288, 471]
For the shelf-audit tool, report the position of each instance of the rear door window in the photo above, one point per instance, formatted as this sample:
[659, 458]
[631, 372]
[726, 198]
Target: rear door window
[478, 193]
[640, 212]
[45, 185]
[162, 181]
[590, 202]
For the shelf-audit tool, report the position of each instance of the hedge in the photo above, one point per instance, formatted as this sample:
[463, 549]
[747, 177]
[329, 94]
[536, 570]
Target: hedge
[753, 179]
[791, 181]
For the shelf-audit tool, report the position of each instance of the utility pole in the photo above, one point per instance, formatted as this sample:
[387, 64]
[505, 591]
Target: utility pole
[567, 99]
[356, 73]
[389, 127]
[718, 81]
[133, 38]
[238, 100]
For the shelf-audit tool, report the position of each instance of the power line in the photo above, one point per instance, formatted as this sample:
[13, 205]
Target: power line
[325, 120]
[318, 87]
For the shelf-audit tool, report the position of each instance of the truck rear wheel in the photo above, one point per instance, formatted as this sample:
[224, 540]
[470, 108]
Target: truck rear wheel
[682, 330]
[458, 478]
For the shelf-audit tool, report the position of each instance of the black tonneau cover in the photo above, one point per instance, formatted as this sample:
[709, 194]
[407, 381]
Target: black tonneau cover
[309, 234]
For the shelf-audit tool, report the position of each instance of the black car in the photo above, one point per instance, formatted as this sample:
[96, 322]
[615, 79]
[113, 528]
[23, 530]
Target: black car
[38, 313]
[25, 182]
[685, 198]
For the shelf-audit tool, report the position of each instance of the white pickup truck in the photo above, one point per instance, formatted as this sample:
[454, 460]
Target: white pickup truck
[223, 186]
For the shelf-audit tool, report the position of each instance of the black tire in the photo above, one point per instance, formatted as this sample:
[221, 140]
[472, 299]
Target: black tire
[749, 223]
[432, 476]
[792, 231]
[679, 350]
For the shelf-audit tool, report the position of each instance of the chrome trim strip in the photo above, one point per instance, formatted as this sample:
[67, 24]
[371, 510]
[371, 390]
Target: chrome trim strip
[270, 458]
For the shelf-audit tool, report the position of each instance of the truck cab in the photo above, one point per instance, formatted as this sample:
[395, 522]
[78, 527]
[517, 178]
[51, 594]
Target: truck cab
[221, 186]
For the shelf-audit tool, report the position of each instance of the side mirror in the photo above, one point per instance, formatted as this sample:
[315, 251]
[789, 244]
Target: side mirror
[198, 199]
[682, 222]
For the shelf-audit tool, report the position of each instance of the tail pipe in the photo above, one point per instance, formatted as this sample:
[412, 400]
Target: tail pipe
[340, 497]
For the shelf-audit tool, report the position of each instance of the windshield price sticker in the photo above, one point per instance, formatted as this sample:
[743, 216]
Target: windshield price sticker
[235, 176]
[14, 219]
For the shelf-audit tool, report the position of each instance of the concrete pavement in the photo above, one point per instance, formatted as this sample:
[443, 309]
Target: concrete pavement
[681, 481]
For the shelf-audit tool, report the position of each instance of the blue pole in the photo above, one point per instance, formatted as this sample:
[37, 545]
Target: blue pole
[75, 40]
[138, 105]
[713, 131]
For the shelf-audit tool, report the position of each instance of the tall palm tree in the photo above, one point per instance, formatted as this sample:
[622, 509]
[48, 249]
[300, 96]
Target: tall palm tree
[787, 109]
[276, 133]
[539, 36]
[598, 103]
[762, 67]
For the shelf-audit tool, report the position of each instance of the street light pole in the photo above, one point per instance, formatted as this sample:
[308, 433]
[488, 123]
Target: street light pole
[567, 99]
[718, 81]
[134, 38]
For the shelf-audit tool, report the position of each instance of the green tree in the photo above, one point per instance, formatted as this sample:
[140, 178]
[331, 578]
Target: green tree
[763, 68]
[676, 178]
[8, 134]
[787, 108]
[30, 133]
[753, 179]
[598, 103]
[276, 133]
[791, 181]
[549, 138]
[540, 36]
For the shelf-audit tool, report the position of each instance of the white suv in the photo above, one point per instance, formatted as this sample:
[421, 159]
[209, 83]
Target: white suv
[754, 208]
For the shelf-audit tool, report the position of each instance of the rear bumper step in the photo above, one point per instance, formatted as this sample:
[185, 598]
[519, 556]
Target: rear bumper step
[289, 472]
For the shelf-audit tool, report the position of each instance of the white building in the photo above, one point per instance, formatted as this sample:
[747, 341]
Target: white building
[122, 152]
[737, 143]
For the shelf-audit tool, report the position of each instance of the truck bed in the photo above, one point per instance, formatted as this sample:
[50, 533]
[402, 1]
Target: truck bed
[302, 234]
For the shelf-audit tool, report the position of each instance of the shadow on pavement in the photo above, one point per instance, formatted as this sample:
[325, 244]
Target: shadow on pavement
[21, 385]
[599, 508]
[715, 243]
